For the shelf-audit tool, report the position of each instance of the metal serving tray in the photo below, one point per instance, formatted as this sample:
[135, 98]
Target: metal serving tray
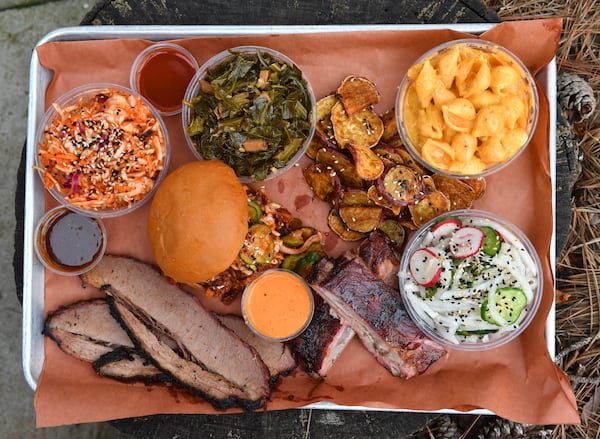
[33, 271]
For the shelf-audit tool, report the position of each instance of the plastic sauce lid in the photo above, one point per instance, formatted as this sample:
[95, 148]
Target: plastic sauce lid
[278, 305]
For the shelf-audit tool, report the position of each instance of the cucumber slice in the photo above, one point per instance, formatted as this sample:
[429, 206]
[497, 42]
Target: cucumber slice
[491, 241]
[510, 302]
[469, 332]
[254, 212]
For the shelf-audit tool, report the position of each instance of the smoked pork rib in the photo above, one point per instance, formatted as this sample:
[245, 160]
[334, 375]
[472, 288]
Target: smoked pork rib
[86, 330]
[206, 357]
[320, 345]
[381, 256]
[374, 310]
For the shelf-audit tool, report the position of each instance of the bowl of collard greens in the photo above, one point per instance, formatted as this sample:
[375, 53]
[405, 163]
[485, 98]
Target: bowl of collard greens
[252, 108]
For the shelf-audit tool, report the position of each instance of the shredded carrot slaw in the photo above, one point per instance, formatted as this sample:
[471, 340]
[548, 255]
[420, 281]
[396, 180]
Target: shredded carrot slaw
[105, 152]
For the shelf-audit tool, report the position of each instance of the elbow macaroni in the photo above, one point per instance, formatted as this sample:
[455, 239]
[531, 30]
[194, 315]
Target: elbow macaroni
[467, 108]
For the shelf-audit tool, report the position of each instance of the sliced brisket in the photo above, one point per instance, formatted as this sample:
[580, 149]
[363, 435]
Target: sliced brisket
[87, 331]
[125, 364]
[276, 355]
[207, 358]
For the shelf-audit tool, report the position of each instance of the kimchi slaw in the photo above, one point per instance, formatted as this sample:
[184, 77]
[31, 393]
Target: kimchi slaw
[101, 148]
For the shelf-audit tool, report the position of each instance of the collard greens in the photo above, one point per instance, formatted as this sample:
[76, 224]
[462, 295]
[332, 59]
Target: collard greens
[253, 112]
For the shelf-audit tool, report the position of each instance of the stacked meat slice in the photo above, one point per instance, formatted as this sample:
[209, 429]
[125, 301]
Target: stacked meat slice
[182, 340]
[88, 331]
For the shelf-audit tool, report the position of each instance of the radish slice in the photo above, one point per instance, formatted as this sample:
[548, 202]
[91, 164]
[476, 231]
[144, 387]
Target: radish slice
[425, 267]
[466, 241]
[445, 228]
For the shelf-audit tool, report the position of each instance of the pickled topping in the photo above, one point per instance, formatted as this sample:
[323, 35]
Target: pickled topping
[470, 279]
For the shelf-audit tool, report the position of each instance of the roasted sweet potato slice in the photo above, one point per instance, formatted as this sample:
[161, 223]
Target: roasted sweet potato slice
[362, 219]
[381, 201]
[356, 197]
[315, 144]
[363, 129]
[323, 181]
[460, 194]
[357, 94]
[428, 184]
[369, 165]
[390, 126]
[324, 128]
[434, 204]
[340, 229]
[401, 185]
[478, 185]
[409, 160]
[388, 154]
[394, 230]
[341, 164]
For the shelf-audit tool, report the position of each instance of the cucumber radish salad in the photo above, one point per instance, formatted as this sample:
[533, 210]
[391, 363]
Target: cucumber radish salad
[471, 279]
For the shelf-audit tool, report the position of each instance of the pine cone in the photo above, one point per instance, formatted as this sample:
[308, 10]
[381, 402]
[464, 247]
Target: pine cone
[576, 97]
[498, 428]
[444, 427]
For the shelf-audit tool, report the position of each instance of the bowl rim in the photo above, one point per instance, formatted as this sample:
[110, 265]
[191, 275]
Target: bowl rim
[484, 44]
[140, 60]
[72, 95]
[507, 336]
[222, 56]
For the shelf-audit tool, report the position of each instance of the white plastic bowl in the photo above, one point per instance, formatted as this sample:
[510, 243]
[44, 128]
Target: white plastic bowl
[101, 131]
[428, 313]
[414, 131]
[217, 61]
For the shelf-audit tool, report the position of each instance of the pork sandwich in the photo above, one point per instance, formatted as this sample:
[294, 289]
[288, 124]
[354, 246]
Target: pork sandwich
[198, 221]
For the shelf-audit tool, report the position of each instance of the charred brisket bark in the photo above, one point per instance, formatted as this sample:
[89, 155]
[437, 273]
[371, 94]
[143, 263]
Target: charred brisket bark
[125, 364]
[87, 331]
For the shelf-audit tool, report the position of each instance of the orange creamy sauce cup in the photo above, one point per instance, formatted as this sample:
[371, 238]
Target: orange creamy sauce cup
[278, 305]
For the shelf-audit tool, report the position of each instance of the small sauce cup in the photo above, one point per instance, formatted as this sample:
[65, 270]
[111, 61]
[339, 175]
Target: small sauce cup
[69, 243]
[278, 305]
[161, 73]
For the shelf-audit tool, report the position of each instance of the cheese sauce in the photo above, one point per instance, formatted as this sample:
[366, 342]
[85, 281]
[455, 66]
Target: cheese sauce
[278, 304]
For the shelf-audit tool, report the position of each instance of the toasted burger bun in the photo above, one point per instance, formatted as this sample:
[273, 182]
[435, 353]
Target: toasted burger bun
[198, 221]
